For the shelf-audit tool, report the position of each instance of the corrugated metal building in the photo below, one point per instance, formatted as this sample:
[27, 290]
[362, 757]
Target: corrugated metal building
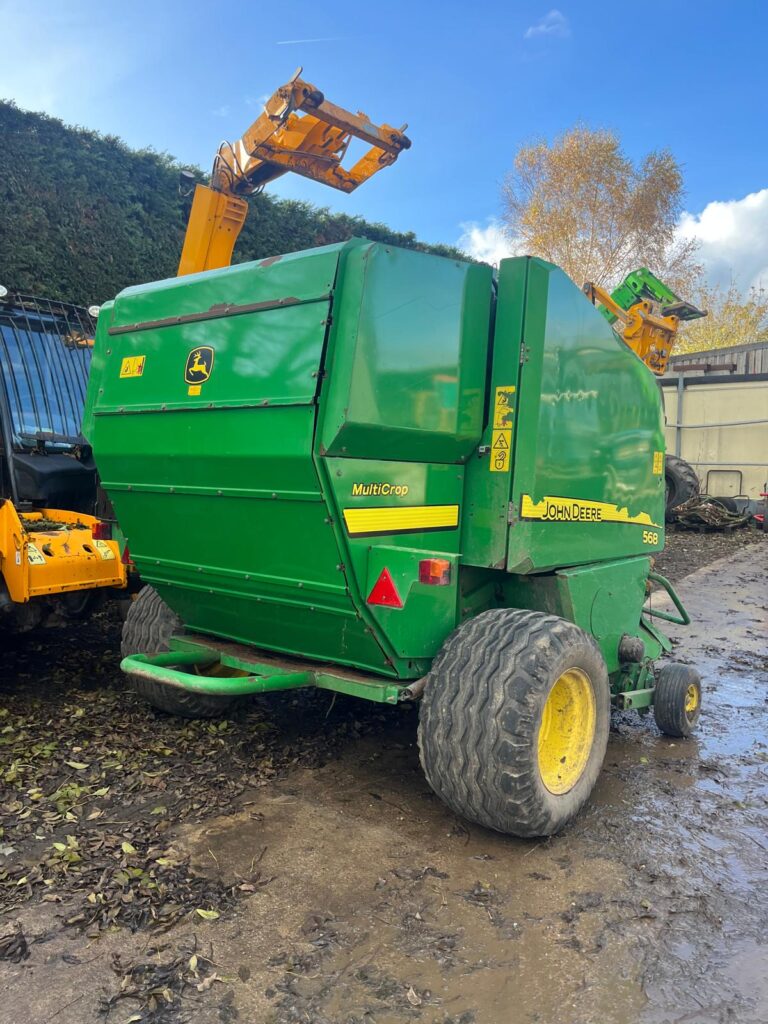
[738, 359]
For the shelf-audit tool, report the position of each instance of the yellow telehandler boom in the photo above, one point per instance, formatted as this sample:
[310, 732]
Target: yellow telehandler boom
[298, 131]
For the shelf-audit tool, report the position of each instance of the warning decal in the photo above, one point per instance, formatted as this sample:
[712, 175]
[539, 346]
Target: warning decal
[132, 366]
[504, 408]
[104, 549]
[500, 445]
[658, 463]
[34, 556]
[501, 439]
[577, 510]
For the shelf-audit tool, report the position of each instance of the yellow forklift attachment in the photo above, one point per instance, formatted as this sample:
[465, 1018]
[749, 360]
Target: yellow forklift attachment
[651, 336]
[298, 131]
[303, 132]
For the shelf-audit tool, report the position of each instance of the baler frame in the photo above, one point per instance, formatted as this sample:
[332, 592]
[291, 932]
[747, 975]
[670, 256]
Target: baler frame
[203, 665]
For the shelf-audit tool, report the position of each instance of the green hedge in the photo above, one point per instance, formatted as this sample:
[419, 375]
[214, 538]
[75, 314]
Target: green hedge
[82, 215]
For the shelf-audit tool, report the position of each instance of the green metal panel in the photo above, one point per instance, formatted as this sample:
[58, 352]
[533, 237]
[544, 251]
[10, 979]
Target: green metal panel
[486, 507]
[300, 276]
[264, 325]
[272, 357]
[418, 629]
[589, 427]
[250, 556]
[605, 600]
[410, 634]
[347, 426]
[405, 377]
[217, 492]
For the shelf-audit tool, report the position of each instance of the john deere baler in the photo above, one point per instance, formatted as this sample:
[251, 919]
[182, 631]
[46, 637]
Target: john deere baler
[385, 473]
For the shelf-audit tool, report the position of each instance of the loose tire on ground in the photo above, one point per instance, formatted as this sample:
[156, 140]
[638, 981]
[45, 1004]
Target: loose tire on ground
[681, 483]
[148, 627]
[729, 504]
[677, 700]
[514, 721]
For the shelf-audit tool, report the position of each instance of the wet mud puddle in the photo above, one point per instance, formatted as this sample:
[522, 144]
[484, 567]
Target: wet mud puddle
[651, 908]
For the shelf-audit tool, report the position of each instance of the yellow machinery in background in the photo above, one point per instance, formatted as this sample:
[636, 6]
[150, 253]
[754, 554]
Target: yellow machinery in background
[298, 131]
[48, 553]
[649, 315]
[55, 555]
[646, 315]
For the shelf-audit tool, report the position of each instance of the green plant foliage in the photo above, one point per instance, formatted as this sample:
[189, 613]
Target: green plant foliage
[82, 215]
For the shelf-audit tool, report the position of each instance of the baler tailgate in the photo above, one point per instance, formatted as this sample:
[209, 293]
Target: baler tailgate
[214, 377]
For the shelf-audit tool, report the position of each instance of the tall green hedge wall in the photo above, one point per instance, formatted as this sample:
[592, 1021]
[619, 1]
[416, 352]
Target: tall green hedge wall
[82, 215]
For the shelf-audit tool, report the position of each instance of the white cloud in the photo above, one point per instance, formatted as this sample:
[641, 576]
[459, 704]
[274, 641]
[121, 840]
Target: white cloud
[222, 111]
[733, 236]
[554, 23]
[487, 242]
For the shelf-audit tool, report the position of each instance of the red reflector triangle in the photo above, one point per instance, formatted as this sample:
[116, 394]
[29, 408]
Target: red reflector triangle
[385, 592]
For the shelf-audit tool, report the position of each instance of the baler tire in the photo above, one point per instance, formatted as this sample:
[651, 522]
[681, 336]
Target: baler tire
[677, 700]
[482, 716]
[148, 627]
[681, 482]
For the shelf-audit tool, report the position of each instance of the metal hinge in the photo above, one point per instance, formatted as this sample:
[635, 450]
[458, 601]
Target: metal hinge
[511, 514]
[523, 353]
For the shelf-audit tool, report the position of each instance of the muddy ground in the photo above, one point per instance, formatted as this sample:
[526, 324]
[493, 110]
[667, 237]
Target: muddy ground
[290, 864]
[688, 550]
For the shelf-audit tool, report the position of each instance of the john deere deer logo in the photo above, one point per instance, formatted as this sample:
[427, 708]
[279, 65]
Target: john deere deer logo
[199, 365]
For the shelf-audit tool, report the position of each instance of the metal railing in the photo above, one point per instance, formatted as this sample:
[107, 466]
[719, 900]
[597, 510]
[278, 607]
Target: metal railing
[45, 356]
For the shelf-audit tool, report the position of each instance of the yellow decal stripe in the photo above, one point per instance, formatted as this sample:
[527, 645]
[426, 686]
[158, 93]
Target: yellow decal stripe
[577, 510]
[409, 519]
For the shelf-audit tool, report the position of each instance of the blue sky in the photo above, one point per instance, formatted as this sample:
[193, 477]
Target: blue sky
[473, 81]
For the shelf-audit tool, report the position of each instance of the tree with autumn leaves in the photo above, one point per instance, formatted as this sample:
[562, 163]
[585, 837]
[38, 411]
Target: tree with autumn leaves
[732, 319]
[582, 203]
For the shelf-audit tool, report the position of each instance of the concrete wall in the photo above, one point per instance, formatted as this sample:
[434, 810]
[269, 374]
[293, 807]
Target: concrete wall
[720, 450]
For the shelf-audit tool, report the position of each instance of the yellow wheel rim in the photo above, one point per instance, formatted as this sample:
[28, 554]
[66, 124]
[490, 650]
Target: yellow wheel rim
[567, 731]
[691, 699]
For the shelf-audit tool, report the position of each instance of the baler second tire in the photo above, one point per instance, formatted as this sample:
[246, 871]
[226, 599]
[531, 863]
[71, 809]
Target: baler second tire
[148, 627]
[677, 700]
[514, 721]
